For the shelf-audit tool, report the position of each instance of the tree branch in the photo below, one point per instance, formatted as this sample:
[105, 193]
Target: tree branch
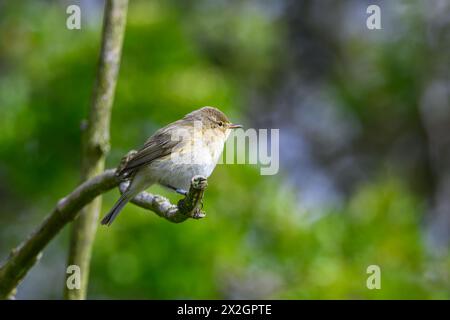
[96, 139]
[28, 252]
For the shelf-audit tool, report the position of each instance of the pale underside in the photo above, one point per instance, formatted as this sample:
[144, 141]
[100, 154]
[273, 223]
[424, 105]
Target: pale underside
[173, 161]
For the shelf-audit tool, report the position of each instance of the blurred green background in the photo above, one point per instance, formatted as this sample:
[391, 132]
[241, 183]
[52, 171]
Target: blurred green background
[364, 122]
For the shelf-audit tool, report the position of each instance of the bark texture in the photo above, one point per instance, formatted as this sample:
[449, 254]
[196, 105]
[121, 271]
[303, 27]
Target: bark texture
[22, 258]
[96, 139]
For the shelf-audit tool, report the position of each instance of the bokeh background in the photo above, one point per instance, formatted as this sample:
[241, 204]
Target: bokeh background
[364, 121]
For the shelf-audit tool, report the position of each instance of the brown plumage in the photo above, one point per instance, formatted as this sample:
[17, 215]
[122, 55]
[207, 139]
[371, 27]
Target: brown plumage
[160, 144]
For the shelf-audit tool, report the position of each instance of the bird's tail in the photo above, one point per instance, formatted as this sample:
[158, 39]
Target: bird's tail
[118, 206]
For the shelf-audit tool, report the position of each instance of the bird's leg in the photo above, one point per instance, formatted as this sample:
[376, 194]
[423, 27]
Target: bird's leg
[181, 191]
[178, 190]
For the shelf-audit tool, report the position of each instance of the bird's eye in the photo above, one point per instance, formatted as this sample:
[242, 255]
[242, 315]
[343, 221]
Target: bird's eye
[220, 123]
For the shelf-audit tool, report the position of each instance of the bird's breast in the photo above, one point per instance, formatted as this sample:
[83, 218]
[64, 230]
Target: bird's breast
[178, 172]
[198, 156]
[179, 175]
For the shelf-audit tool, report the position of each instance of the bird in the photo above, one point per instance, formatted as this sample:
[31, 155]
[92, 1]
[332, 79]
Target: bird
[174, 154]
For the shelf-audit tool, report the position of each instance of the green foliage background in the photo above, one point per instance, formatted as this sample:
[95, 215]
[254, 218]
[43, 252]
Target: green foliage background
[257, 241]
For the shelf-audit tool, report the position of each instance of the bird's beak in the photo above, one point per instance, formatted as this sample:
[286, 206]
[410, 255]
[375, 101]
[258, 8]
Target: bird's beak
[234, 126]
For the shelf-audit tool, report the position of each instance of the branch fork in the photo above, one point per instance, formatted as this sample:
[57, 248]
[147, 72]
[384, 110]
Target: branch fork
[24, 256]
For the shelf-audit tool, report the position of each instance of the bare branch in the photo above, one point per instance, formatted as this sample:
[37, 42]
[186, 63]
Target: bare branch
[27, 253]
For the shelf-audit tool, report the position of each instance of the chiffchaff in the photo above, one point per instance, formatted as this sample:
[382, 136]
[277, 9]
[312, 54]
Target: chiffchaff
[174, 154]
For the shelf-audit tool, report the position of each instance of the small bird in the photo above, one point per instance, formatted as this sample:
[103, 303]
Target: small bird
[174, 154]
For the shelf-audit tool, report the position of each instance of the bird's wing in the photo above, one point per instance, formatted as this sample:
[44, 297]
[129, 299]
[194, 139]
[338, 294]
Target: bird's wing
[157, 146]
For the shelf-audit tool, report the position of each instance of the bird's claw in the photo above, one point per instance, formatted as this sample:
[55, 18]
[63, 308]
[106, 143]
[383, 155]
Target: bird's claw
[199, 182]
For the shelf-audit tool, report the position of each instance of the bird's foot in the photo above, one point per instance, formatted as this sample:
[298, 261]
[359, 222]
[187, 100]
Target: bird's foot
[199, 182]
[177, 190]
